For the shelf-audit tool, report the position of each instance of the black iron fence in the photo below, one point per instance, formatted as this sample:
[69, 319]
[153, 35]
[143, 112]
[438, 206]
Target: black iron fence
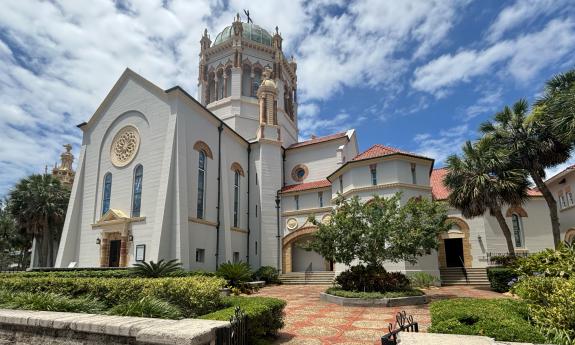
[236, 333]
[403, 323]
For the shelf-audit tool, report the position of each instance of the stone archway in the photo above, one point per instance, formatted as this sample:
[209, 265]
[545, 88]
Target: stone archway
[461, 231]
[288, 247]
[570, 236]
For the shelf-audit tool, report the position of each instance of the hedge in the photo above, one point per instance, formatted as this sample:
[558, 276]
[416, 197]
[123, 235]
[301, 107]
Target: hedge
[92, 273]
[500, 277]
[372, 295]
[503, 319]
[194, 295]
[264, 315]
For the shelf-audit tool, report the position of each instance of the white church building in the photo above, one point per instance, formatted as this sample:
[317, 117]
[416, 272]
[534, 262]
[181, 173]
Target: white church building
[162, 175]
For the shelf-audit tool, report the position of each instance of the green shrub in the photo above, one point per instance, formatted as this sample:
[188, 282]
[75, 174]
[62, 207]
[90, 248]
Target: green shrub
[501, 278]
[502, 319]
[372, 295]
[504, 260]
[269, 274]
[422, 279]
[96, 273]
[147, 307]
[193, 295]
[157, 269]
[551, 301]
[550, 262]
[264, 315]
[51, 302]
[236, 274]
[372, 279]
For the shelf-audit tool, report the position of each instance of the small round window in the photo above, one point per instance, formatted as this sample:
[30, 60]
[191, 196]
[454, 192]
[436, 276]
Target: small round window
[299, 172]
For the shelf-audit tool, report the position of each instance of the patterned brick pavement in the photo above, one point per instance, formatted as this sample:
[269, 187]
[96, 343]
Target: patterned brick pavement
[309, 321]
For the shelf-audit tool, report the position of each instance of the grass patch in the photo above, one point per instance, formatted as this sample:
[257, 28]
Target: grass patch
[373, 295]
[502, 319]
[264, 315]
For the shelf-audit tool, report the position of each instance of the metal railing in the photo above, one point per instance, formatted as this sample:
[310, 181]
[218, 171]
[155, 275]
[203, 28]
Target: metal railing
[464, 270]
[403, 323]
[308, 271]
[236, 333]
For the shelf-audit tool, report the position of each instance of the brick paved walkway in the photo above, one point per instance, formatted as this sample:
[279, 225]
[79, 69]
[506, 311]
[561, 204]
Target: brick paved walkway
[309, 321]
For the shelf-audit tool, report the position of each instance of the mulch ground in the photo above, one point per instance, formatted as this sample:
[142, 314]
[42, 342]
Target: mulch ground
[309, 321]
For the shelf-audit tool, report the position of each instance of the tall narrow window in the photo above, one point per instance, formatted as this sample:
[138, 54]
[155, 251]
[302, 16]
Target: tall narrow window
[570, 198]
[341, 184]
[107, 193]
[246, 81]
[320, 197]
[562, 201]
[220, 84]
[373, 170]
[256, 82]
[228, 82]
[296, 199]
[517, 230]
[137, 191]
[201, 184]
[413, 176]
[236, 257]
[236, 198]
[256, 247]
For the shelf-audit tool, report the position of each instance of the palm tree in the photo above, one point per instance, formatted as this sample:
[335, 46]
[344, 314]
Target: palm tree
[533, 147]
[556, 108]
[482, 180]
[38, 203]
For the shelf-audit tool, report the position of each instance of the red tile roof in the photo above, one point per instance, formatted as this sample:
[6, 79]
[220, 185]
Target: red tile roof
[440, 191]
[318, 140]
[379, 150]
[306, 186]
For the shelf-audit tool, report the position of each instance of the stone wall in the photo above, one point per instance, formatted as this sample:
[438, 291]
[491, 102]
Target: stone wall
[41, 327]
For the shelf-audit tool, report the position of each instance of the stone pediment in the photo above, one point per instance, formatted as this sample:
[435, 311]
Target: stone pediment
[115, 217]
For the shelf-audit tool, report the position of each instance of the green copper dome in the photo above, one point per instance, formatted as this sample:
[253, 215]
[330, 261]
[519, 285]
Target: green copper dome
[251, 32]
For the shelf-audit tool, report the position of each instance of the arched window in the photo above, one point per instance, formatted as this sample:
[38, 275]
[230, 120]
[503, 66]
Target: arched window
[201, 184]
[256, 82]
[211, 88]
[137, 190]
[517, 230]
[221, 86]
[228, 82]
[246, 81]
[236, 198]
[107, 193]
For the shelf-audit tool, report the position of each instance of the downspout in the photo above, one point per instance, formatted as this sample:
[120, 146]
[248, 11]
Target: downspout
[249, 177]
[220, 129]
[278, 222]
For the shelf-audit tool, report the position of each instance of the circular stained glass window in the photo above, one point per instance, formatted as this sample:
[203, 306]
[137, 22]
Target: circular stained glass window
[299, 172]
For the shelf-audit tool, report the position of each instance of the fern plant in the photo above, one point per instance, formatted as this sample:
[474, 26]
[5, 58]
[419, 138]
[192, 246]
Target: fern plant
[157, 269]
[235, 273]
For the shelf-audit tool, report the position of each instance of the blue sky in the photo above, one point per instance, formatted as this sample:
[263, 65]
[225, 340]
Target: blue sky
[420, 75]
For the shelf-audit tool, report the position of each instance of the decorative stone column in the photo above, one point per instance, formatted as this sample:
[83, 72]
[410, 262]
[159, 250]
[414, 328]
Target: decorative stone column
[104, 251]
[287, 254]
[124, 251]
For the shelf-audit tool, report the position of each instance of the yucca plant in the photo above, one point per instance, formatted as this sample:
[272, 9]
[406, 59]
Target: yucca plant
[147, 307]
[235, 273]
[157, 269]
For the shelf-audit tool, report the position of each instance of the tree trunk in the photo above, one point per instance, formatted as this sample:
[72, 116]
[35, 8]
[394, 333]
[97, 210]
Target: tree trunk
[505, 229]
[551, 204]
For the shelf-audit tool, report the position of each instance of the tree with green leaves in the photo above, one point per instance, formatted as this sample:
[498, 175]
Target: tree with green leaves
[380, 230]
[532, 146]
[14, 246]
[38, 203]
[483, 180]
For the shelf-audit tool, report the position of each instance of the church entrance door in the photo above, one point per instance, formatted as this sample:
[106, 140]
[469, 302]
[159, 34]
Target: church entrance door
[454, 252]
[114, 258]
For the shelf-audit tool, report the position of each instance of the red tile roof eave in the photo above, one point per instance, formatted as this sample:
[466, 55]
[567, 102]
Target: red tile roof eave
[305, 186]
[318, 140]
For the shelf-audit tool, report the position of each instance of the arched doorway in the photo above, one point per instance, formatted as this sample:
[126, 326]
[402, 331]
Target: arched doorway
[298, 259]
[570, 236]
[454, 246]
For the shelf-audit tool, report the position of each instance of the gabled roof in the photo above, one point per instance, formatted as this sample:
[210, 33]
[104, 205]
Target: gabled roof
[378, 151]
[560, 174]
[440, 192]
[318, 140]
[306, 186]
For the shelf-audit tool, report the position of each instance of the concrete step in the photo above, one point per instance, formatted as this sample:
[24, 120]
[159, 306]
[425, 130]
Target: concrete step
[456, 276]
[303, 278]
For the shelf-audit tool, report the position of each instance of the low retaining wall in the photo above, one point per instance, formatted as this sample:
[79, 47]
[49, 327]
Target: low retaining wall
[405, 338]
[379, 302]
[42, 327]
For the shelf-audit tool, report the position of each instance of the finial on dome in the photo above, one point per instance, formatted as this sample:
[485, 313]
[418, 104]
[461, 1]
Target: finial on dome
[267, 73]
[205, 32]
[238, 17]
[277, 29]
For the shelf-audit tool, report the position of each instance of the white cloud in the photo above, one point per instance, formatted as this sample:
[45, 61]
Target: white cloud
[521, 58]
[442, 145]
[489, 101]
[523, 12]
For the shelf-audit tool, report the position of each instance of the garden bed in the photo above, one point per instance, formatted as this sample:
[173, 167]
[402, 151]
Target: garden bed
[375, 299]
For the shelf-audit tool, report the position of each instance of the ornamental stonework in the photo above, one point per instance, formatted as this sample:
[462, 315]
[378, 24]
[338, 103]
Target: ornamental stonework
[125, 146]
[292, 224]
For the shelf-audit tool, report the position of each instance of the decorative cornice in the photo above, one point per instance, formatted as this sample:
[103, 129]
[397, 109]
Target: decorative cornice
[366, 162]
[202, 221]
[118, 221]
[307, 211]
[386, 186]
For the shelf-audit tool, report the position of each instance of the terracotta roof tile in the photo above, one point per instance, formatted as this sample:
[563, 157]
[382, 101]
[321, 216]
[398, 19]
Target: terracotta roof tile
[306, 186]
[379, 150]
[318, 140]
[440, 191]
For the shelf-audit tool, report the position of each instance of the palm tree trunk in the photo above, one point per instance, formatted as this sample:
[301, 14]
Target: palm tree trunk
[505, 229]
[551, 204]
